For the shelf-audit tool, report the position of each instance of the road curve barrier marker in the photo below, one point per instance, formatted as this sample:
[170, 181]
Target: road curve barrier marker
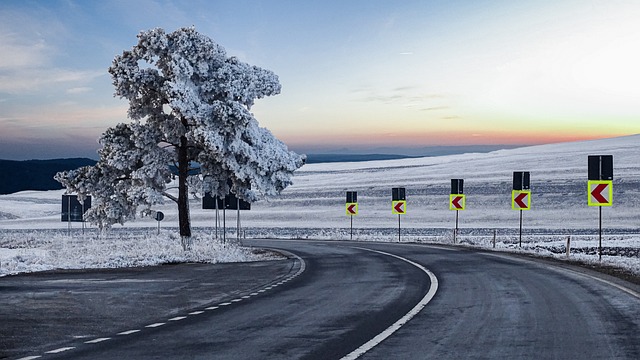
[351, 209]
[457, 202]
[399, 207]
[600, 193]
[521, 200]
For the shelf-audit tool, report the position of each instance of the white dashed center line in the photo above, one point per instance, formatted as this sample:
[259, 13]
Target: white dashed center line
[155, 325]
[56, 351]
[95, 341]
[128, 332]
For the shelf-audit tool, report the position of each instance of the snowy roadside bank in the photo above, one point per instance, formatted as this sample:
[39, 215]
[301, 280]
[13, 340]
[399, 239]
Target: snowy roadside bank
[40, 250]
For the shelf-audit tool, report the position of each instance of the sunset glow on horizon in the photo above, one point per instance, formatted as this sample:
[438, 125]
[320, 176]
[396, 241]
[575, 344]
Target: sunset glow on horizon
[354, 74]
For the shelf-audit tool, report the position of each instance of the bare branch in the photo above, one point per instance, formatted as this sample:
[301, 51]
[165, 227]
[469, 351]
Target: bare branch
[175, 199]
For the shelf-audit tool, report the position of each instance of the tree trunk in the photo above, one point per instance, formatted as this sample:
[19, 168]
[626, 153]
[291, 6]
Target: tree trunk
[183, 193]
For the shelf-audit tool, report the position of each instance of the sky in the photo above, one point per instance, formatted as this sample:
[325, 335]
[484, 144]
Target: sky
[356, 75]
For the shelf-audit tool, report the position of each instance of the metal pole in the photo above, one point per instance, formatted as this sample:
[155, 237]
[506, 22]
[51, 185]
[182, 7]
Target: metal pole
[600, 236]
[495, 233]
[217, 221]
[69, 216]
[158, 227]
[398, 227]
[455, 232]
[238, 225]
[224, 221]
[600, 208]
[82, 217]
[351, 216]
[520, 227]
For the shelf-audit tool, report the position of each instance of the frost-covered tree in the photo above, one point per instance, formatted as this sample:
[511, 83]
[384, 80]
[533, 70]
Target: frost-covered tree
[190, 105]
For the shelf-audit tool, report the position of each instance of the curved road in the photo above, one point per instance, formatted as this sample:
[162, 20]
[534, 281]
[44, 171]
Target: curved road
[486, 306]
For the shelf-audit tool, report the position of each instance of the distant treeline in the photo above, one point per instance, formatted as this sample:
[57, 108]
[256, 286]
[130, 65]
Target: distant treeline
[35, 174]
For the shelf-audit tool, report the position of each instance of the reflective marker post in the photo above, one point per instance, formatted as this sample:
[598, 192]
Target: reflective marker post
[457, 201]
[600, 188]
[398, 204]
[351, 208]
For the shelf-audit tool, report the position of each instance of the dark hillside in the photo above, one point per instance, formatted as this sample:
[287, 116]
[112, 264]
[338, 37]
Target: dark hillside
[35, 174]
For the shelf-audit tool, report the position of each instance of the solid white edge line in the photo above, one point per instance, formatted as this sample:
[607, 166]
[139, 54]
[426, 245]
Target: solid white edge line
[403, 320]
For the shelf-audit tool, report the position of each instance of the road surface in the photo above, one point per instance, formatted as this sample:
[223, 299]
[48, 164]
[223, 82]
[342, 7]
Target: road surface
[328, 302]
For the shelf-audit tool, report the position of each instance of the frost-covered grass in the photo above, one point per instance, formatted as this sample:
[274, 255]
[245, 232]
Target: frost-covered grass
[38, 250]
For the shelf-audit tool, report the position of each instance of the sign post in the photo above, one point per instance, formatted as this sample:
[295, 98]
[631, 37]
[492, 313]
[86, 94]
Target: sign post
[521, 194]
[600, 187]
[230, 202]
[73, 210]
[351, 207]
[159, 216]
[457, 201]
[398, 204]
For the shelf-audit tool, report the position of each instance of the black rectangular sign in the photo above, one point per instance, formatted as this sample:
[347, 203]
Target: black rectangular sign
[72, 209]
[457, 186]
[398, 194]
[521, 180]
[352, 197]
[600, 167]
[229, 202]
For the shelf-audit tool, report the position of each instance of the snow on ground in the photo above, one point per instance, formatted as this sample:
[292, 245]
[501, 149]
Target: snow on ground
[313, 208]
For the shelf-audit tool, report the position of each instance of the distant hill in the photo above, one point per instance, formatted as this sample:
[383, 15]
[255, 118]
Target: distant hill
[35, 174]
[329, 158]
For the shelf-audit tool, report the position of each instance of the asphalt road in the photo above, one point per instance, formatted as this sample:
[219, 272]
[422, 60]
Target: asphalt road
[487, 306]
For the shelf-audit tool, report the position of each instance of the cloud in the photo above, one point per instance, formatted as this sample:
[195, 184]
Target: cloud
[30, 80]
[20, 53]
[435, 108]
[407, 96]
[79, 90]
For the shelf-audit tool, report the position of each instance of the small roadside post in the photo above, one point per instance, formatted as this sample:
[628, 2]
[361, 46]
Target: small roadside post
[398, 204]
[457, 201]
[351, 207]
[600, 187]
[159, 216]
[521, 194]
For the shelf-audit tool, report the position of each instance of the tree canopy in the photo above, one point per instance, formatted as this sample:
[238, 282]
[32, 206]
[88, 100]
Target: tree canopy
[189, 104]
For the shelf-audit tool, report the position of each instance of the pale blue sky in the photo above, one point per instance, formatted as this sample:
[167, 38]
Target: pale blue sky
[354, 73]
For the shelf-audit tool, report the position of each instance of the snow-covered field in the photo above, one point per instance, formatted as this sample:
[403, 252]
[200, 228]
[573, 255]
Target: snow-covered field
[32, 237]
